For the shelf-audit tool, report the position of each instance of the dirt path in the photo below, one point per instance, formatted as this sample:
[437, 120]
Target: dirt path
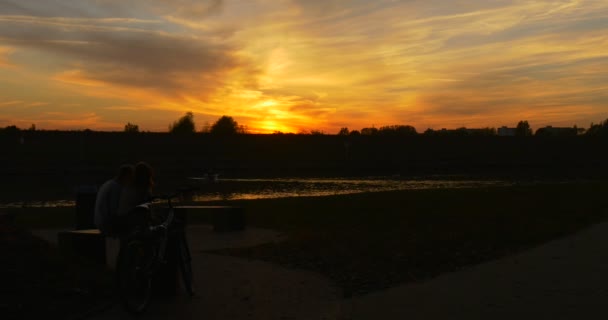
[563, 279]
[232, 288]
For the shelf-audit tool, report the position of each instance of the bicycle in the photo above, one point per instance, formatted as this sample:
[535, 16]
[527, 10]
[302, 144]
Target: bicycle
[144, 251]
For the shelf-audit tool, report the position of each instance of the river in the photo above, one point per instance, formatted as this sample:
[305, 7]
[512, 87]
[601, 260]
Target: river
[239, 189]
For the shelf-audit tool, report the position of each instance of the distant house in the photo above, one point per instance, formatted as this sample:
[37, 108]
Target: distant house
[557, 132]
[506, 132]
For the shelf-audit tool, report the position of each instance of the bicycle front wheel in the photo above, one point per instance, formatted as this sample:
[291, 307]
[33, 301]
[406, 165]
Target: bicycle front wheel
[133, 271]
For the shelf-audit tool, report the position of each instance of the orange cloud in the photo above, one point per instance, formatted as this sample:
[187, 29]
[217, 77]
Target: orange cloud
[5, 52]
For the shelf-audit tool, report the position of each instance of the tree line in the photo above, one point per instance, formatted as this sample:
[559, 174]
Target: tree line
[226, 126]
[522, 129]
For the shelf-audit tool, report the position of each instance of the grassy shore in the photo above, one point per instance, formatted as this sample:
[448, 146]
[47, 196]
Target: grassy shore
[367, 242]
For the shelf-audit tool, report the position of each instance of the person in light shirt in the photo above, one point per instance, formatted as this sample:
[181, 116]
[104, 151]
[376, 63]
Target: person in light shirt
[108, 199]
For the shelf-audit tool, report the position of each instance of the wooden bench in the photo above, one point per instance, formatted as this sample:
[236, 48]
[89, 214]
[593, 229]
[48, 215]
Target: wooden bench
[91, 243]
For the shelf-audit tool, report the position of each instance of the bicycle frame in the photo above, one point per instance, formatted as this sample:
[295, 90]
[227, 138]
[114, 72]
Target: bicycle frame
[155, 238]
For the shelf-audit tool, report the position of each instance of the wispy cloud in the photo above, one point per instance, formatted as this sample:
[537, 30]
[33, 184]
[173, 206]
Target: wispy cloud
[4, 60]
[10, 103]
[127, 56]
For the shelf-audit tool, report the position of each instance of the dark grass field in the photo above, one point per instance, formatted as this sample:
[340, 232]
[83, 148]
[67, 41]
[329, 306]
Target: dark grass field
[368, 242]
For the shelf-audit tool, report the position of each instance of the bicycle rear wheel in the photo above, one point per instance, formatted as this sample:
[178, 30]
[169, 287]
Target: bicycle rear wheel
[133, 271]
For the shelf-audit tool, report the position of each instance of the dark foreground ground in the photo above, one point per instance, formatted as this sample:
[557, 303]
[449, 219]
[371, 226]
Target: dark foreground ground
[363, 242]
[37, 282]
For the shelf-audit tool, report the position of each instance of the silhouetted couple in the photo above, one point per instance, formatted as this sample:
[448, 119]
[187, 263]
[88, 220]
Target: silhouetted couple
[118, 197]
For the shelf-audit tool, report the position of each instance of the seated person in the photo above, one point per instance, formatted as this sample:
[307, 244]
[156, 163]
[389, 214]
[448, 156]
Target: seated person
[108, 199]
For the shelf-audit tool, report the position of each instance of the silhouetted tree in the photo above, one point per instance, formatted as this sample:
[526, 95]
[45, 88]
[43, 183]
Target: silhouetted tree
[406, 131]
[557, 132]
[11, 129]
[476, 132]
[593, 129]
[317, 132]
[184, 125]
[32, 127]
[542, 132]
[461, 132]
[355, 133]
[131, 128]
[397, 130]
[487, 132]
[523, 129]
[441, 132]
[600, 129]
[226, 126]
[343, 132]
[369, 131]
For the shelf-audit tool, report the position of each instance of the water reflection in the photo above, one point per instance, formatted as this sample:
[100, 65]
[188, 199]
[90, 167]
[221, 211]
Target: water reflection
[39, 204]
[237, 189]
[247, 189]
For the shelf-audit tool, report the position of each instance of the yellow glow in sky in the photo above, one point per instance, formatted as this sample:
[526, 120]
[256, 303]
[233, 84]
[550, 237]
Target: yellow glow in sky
[296, 65]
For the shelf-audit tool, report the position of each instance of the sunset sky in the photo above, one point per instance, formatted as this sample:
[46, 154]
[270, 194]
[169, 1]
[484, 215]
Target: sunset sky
[295, 65]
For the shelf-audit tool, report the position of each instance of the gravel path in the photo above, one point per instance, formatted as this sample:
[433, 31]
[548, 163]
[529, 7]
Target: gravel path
[563, 279]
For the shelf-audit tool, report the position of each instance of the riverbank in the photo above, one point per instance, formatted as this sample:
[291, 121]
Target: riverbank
[48, 165]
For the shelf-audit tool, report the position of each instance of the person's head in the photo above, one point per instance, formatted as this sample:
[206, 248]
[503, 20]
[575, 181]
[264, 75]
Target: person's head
[125, 174]
[144, 176]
